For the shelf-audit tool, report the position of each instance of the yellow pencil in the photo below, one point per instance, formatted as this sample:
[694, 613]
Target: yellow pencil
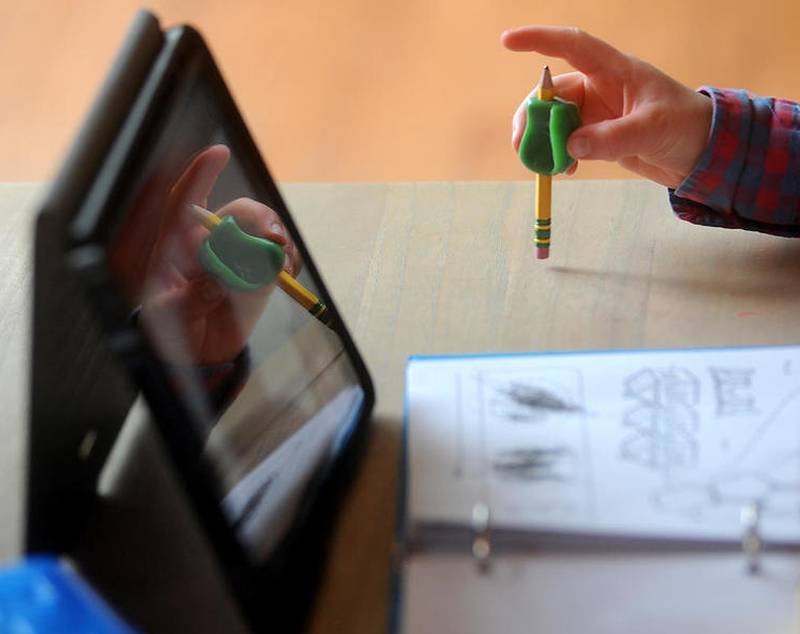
[541, 233]
[286, 282]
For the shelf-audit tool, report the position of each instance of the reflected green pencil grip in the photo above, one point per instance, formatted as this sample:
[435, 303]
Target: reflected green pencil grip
[543, 148]
[240, 261]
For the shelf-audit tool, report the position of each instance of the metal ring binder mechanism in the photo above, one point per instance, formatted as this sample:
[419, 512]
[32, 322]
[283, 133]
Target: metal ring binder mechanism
[750, 518]
[481, 535]
[751, 538]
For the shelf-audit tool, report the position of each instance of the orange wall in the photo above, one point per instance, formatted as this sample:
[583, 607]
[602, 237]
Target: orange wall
[373, 89]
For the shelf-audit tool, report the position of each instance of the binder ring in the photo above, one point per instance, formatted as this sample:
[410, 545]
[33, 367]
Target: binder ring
[752, 544]
[481, 538]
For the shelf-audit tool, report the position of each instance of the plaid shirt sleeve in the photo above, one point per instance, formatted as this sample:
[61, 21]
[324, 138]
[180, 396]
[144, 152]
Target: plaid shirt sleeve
[748, 176]
[221, 382]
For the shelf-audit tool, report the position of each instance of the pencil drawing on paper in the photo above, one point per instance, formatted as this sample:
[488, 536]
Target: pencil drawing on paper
[733, 391]
[663, 386]
[537, 464]
[766, 470]
[662, 419]
[532, 398]
[662, 444]
[533, 435]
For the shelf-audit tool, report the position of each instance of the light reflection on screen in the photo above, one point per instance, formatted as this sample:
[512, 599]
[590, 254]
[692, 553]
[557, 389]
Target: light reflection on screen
[271, 384]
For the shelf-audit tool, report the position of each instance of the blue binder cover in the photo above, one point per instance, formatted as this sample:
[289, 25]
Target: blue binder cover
[40, 595]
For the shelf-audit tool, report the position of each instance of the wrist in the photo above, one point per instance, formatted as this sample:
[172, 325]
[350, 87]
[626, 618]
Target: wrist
[699, 116]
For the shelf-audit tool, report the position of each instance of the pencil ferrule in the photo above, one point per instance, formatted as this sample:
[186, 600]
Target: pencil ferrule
[318, 310]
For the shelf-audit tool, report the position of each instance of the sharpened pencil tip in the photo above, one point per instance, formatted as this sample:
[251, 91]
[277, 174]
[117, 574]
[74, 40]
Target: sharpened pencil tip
[203, 215]
[547, 79]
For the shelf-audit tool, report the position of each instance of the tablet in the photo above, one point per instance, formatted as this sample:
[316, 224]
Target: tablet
[209, 295]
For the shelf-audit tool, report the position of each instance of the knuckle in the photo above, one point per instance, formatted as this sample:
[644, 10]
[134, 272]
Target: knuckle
[577, 32]
[242, 201]
[249, 207]
[610, 146]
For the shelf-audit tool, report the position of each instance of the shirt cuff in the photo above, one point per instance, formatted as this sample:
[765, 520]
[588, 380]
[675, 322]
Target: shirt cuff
[745, 177]
[220, 382]
[714, 179]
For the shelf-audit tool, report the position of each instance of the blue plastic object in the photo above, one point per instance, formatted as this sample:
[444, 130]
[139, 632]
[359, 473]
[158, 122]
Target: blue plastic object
[40, 596]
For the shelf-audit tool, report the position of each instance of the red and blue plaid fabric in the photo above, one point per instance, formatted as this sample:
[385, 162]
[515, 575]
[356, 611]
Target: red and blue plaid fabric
[748, 176]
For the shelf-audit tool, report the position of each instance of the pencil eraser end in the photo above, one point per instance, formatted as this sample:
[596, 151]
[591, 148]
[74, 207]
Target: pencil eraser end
[542, 253]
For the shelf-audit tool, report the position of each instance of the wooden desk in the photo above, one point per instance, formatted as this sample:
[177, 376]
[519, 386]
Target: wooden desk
[450, 267]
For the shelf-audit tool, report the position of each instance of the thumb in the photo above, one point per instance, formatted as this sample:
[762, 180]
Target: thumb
[608, 140]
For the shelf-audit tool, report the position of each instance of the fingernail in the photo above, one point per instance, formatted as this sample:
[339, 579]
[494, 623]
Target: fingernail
[578, 148]
[276, 228]
[211, 291]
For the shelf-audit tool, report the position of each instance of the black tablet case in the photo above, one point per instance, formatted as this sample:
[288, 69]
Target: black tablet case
[80, 394]
[80, 398]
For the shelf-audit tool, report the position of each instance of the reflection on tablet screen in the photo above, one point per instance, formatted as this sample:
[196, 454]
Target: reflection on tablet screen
[219, 287]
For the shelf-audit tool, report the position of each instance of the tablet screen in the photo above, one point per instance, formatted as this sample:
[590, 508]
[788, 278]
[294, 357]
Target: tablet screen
[218, 285]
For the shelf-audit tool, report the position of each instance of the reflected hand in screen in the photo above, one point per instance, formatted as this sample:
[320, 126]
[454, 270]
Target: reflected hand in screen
[196, 319]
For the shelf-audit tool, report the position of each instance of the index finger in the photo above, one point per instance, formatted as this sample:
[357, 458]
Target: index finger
[583, 51]
[198, 179]
[177, 232]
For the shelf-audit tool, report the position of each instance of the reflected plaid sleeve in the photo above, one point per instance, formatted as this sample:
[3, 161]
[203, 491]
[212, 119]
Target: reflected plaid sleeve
[748, 177]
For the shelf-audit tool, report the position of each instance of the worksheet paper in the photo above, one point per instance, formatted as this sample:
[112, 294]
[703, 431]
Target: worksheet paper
[656, 444]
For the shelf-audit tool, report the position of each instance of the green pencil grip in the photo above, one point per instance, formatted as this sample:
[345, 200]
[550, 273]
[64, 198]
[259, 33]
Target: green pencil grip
[543, 148]
[240, 261]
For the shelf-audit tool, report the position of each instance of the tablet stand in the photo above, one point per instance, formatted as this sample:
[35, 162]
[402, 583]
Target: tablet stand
[142, 548]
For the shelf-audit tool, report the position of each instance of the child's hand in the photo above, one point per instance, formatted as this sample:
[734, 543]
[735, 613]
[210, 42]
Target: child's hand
[632, 113]
[193, 318]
